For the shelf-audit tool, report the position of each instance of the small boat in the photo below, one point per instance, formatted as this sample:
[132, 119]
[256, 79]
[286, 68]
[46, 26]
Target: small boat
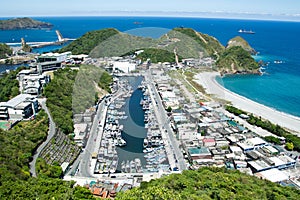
[278, 61]
[121, 142]
[245, 31]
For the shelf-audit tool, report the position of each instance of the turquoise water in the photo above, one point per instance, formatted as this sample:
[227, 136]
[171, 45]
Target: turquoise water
[278, 88]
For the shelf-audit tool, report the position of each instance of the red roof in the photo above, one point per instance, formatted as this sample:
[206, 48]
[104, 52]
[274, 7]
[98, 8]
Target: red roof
[208, 140]
[97, 191]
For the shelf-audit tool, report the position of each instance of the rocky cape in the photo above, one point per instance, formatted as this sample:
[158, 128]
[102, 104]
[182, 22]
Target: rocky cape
[239, 41]
[23, 23]
[184, 42]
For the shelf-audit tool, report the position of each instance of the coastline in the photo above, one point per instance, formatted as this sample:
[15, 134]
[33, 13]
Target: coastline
[208, 81]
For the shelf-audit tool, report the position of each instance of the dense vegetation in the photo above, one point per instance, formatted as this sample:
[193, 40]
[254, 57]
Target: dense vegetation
[73, 91]
[17, 146]
[267, 125]
[272, 139]
[237, 60]
[211, 45]
[239, 41]
[59, 98]
[120, 44]
[45, 170]
[210, 183]
[4, 50]
[90, 85]
[187, 42]
[157, 55]
[86, 43]
[23, 23]
[9, 85]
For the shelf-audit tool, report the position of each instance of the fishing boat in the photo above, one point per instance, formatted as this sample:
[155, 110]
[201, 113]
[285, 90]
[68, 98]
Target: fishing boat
[245, 31]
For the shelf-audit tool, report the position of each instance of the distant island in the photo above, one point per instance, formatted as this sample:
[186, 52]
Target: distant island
[185, 42]
[23, 23]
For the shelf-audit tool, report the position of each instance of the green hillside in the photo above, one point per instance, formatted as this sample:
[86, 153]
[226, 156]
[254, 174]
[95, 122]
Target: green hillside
[4, 50]
[120, 44]
[239, 41]
[187, 42]
[17, 147]
[210, 44]
[210, 183]
[157, 55]
[236, 60]
[86, 43]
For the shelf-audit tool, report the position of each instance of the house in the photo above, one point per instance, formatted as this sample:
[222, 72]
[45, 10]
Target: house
[80, 131]
[266, 163]
[252, 144]
[209, 142]
[197, 153]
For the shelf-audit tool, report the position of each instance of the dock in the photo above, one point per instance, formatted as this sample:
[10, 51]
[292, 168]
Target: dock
[61, 40]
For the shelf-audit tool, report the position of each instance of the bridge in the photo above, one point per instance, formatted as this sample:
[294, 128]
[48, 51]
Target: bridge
[61, 40]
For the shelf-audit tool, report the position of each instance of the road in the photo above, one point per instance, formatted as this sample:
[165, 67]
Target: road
[51, 133]
[85, 158]
[84, 164]
[172, 146]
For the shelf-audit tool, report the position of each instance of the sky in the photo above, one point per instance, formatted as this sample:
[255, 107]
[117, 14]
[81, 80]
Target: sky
[263, 8]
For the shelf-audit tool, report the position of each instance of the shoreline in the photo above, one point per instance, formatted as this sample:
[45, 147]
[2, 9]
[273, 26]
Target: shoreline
[208, 81]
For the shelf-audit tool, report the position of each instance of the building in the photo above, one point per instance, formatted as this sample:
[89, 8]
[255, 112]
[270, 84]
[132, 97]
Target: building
[33, 84]
[273, 175]
[50, 61]
[209, 142]
[124, 66]
[187, 132]
[266, 163]
[20, 107]
[252, 144]
[80, 131]
[169, 99]
[197, 153]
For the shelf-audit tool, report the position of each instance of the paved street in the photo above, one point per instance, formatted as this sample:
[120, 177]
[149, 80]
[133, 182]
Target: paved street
[174, 153]
[84, 164]
[51, 133]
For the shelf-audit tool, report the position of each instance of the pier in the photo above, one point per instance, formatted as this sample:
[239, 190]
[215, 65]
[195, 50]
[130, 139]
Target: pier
[60, 40]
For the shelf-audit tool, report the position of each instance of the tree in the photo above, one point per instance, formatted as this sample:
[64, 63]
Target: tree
[289, 146]
[169, 109]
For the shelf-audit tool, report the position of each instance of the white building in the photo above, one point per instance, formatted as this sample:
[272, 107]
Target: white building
[33, 84]
[124, 66]
[80, 131]
[20, 107]
[50, 61]
[252, 144]
[169, 99]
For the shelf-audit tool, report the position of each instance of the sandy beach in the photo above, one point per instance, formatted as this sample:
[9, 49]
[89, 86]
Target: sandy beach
[207, 80]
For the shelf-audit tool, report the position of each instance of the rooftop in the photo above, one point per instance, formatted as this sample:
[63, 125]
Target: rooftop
[18, 100]
[273, 175]
[198, 150]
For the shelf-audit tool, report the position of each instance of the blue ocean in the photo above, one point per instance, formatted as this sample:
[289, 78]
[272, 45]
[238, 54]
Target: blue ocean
[278, 88]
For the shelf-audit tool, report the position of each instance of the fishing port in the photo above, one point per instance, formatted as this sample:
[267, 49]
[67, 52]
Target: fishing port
[131, 141]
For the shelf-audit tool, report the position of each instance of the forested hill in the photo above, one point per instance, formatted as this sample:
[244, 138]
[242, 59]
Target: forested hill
[23, 23]
[5, 51]
[210, 183]
[186, 42]
[86, 43]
